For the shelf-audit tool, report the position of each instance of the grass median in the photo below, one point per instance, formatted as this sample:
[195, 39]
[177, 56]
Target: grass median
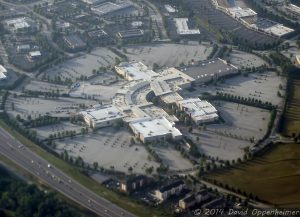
[72, 171]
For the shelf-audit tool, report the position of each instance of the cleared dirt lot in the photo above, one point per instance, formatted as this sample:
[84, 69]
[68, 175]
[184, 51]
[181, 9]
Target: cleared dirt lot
[61, 107]
[168, 54]
[228, 140]
[171, 157]
[261, 86]
[111, 149]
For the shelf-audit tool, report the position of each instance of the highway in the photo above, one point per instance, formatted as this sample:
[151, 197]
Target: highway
[56, 179]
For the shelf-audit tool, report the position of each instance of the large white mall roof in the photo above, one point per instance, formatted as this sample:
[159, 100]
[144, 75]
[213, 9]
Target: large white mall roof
[155, 127]
[279, 30]
[137, 71]
[183, 28]
[2, 72]
[198, 109]
[294, 8]
[104, 113]
[18, 23]
[170, 9]
[241, 12]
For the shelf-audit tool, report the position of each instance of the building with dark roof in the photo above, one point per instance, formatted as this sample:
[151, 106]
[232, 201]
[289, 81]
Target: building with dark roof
[187, 201]
[109, 9]
[166, 191]
[192, 199]
[209, 69]
[131, 33]
[134, 183]
[74, 42]
[96, 34]
[100, 36]
[93, 2]
[216, 203]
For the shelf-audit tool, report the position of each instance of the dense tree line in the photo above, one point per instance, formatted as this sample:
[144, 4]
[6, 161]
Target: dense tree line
[19, 199]
[241, 100]
[224, 52]
[51, 57]
[3, 101]
[215, 49]
[282, 61]
[118, 53]
[40, 121]
[293, 73]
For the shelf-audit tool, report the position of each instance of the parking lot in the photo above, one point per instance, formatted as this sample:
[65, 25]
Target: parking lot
[223, 147]
[35, 85]
[83, 65]
[96, 91]
[228, 140]
[111, 148]
[61, 107]
[169, 55]
[261, 86]
[44, 131]
[246, 60]
[10, 79]
[241, 120]
[171, 157]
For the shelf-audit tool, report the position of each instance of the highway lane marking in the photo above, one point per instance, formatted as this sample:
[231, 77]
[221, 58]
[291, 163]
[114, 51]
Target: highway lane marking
[85, 192]
[26, 165]
[89, 193]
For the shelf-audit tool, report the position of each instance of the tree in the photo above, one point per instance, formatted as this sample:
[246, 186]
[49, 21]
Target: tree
[66, 155]
[82, 131]
[21, 199]
[117, 61]
[149, 170]
[155, 100]
[155, 66]
[132, 141]
[95, 165]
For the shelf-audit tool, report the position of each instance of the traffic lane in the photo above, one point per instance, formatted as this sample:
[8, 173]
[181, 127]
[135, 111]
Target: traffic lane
[75, 185]
[75, 195]
[50, 180]
[107, 205]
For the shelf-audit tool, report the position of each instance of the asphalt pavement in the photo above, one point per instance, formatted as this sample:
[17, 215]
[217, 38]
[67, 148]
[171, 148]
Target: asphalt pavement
[56, 179]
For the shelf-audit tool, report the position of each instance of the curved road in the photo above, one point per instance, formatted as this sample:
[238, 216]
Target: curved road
[55, 178]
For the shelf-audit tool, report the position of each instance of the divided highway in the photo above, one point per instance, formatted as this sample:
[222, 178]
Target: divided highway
[56, 179]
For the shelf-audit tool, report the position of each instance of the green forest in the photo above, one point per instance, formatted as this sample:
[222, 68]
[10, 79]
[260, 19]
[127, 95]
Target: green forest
[19, 199]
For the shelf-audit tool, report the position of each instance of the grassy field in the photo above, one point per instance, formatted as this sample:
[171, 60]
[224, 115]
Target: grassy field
[274, 177]
[122, 201]
[292, 115]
